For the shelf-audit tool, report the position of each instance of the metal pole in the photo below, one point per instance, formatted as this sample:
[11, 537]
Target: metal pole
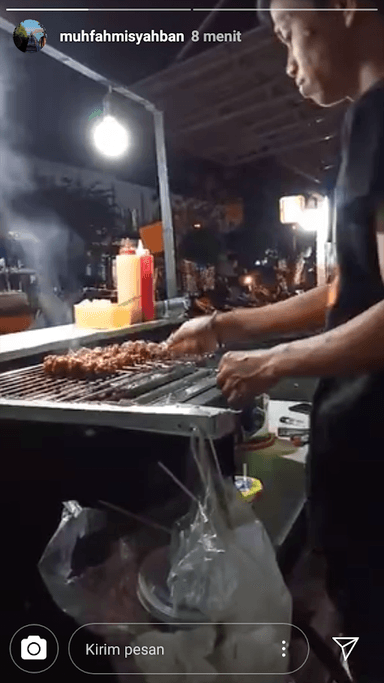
[322, 237]
[165, 203]
[162, 170]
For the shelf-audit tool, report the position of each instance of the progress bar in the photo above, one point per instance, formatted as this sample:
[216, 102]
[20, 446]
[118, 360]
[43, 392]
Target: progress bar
[182, 9]
[98, 9]
[291, 9]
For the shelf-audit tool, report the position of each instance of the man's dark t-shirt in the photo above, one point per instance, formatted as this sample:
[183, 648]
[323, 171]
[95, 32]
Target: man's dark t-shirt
[346, 459]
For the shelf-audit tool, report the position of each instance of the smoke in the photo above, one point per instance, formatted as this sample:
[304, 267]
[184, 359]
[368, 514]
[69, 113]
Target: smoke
[44, 242]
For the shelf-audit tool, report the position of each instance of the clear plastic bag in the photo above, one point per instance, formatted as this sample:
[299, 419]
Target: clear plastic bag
[91, 564]
[220, 565]
[222, 561]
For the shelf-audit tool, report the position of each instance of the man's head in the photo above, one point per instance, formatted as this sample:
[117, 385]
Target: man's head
[331, 54]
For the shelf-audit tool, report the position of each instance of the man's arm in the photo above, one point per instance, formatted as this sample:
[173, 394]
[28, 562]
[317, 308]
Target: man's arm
[357, 347]
[203, 334]
[300, 313]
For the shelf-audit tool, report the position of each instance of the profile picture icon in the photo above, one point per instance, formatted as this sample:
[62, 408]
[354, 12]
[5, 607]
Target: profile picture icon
[30, 36]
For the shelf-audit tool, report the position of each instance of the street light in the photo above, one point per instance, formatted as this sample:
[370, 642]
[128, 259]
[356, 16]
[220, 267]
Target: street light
[109, 136]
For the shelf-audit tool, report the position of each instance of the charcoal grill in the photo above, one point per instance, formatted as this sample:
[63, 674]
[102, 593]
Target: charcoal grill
[170, 398]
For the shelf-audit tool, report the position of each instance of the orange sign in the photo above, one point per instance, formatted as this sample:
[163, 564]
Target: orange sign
[152, 237]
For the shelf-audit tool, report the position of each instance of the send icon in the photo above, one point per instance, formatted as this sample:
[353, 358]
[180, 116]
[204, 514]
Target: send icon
[346, 644]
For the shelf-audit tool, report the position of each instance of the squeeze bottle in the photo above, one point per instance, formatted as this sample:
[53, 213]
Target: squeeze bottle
[128, 277]
[147, 282]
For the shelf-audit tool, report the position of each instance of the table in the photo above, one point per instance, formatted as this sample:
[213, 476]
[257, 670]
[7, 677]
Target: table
[283, 498]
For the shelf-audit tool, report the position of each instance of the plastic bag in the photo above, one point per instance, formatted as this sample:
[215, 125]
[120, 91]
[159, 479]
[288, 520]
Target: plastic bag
[56, 563]
[221, 565]
[187, 653]
[222, 560]
[90, 568]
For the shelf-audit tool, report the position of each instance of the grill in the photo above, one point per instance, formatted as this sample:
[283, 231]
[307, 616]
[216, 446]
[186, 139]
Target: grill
[171, 398]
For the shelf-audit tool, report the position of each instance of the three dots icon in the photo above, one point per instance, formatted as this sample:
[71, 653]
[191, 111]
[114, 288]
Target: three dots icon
[284, 648]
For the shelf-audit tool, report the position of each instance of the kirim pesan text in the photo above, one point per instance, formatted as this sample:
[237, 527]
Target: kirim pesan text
[93, 649]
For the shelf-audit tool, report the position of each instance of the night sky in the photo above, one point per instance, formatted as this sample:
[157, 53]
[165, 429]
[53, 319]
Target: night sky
[52, 104]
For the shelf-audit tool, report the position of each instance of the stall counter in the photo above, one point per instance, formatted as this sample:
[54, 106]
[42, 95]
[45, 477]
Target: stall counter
[283, 476]
[32, 342]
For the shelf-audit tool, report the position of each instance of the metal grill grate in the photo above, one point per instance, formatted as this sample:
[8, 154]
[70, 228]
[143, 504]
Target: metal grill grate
[169, 398]
[151, 385]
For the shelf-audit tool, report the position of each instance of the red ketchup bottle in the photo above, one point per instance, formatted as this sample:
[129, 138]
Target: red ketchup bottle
[147, 283]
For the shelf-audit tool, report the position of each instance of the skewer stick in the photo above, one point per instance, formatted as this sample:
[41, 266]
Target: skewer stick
[138, 518]
[178, 482]
[245, 475]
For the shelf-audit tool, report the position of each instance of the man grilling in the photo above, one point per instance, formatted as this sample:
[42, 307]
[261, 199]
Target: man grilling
[333, 56]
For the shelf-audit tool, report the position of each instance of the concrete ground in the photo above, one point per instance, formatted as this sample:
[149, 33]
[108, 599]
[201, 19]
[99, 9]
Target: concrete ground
[306, 582]
[312, 606]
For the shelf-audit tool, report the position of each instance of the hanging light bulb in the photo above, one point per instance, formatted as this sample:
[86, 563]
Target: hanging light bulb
[110, 137]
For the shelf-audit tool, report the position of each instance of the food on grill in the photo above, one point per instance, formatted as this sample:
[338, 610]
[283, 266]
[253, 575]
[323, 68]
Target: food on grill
[87, 362]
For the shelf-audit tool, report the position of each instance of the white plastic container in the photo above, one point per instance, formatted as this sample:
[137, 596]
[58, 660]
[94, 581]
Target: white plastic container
[101, 314]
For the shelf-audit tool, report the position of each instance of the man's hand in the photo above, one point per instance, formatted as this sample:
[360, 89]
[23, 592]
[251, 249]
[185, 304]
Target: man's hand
[195, 337]
[246, 374]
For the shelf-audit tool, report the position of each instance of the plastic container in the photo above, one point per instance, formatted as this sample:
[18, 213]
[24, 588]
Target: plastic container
[101, 314]
[147, 283]
[154, 594]
[249, 487]
[128, 280]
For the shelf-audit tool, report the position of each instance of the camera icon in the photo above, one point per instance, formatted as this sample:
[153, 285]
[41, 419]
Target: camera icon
[34, 647]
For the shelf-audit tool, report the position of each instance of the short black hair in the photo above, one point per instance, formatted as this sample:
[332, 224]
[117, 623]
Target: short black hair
[264, 16]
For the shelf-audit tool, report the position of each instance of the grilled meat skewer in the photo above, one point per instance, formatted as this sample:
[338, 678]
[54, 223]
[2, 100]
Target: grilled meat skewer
[89, 362]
